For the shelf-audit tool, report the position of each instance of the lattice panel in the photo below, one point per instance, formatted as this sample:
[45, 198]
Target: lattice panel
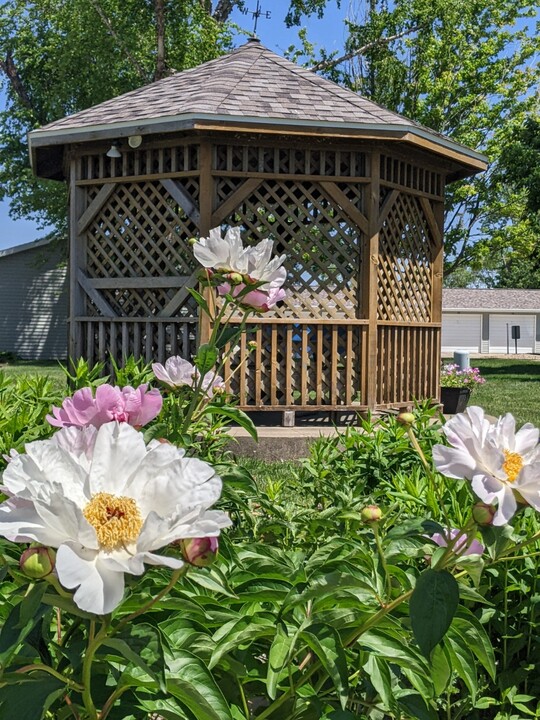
[304, 364]
[404, 271]
[141, 232]
[321, 245]
[143, 161]
[290, 161]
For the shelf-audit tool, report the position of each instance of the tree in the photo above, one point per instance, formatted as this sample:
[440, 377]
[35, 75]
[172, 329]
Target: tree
[59, 57]
[466, 69]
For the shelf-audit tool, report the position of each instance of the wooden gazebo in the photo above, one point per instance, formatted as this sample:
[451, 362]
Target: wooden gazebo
[351, 192]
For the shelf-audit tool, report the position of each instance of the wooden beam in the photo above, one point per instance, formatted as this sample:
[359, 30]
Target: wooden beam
[232, 202]
[206, 206]
[177, 281]
[386, 207]
[432, 221]
[95, 206]
[183, 199]
[77, 262]
[178, 298]
[339, 197]
[370, 279]
[100, 302]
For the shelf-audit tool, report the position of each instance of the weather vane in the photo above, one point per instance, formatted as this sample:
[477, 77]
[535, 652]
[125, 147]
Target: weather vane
[256, 14]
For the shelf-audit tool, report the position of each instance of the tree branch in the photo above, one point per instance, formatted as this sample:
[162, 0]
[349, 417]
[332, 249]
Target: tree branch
[108, 24]
[9, 68]
[329, 64]
[161, 68]
[223, 9]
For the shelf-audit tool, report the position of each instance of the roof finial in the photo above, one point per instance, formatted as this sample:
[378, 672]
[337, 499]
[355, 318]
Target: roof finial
[256, 14]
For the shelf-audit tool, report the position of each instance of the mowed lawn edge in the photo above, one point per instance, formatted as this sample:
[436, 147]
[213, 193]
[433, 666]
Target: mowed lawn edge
[512, 385]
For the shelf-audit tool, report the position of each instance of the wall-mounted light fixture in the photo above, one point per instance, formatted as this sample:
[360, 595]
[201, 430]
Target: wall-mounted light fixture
[113, 151]
[134, 141]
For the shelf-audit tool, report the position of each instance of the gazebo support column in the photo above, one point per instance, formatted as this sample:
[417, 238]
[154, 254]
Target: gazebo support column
[369, 278]
[77, 255]
[206, 208]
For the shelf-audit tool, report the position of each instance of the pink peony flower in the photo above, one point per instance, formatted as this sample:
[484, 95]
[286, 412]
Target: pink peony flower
[259, 299]
[136, 407]
[464, 546]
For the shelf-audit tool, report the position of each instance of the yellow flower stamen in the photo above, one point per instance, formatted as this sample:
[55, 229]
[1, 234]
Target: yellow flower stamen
[116, 519]
[512, 465]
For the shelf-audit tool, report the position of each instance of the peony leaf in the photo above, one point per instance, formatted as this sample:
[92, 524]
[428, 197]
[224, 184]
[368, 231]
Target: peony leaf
[433, 604]
[192, 684]
[326, 644]
[31, 696]
[205, 359]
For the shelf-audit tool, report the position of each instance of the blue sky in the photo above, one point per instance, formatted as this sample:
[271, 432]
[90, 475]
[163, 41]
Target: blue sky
[328, 33]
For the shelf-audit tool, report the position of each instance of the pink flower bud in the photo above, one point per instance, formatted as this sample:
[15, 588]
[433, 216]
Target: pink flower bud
[371, 513]
[200, 552]
[37, 562]
[483, 513]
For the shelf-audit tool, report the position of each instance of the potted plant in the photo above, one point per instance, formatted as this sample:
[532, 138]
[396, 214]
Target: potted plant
[457, 385]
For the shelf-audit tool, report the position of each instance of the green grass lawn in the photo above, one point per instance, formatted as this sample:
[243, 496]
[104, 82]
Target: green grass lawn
[511, 386]
[27, 367]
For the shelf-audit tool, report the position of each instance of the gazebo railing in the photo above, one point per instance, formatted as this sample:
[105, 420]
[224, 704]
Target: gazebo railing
[299, 363]
[153, 339]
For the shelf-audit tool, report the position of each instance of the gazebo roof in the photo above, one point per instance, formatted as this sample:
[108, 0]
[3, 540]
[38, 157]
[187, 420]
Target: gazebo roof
[250, 88]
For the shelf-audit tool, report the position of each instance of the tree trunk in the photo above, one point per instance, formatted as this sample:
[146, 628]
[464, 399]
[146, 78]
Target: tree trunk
[161, 67]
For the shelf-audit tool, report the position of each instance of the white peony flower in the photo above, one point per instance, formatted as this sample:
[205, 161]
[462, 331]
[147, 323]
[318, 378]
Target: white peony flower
[503, 465]
[227, 255]
[177, 372]
[108, 503]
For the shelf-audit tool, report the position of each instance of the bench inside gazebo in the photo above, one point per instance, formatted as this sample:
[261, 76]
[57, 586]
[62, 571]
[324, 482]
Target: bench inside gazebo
[352, 193]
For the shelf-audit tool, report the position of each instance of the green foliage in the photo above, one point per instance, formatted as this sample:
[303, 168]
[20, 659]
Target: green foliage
[24, 402]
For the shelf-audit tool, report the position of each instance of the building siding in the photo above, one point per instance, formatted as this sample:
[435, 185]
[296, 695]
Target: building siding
[33, 303]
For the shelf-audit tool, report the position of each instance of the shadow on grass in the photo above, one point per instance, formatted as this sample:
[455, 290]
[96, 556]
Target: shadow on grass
[531, 369]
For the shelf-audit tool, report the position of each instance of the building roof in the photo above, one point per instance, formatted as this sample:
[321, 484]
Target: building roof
[34, 244]
[249, 86]
[484, 300]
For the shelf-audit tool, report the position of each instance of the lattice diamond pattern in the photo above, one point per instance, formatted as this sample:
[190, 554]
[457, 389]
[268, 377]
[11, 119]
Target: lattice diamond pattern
[322, 246]
[404, 269]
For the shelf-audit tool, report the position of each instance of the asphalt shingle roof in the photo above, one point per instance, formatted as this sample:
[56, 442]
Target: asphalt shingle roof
[251, 82]
[480, 299]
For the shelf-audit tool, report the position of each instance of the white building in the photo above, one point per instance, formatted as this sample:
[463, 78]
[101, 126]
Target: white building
[481, 321]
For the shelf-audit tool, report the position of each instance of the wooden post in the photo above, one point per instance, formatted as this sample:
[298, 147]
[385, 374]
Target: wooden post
[438, 264]
[369, 278]
[77, 262]
[206, 202]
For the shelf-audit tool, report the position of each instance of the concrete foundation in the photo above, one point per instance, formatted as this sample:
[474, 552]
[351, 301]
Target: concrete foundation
[277, 443]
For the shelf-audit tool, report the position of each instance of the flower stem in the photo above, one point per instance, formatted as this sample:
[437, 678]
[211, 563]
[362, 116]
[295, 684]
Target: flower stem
[177, 574]
[93, 644]
[380, 551]
[45, 668]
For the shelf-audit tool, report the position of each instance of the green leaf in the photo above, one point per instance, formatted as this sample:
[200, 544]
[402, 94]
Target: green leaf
[432, 606]
[141, 645]
[199, 299]
[379, 675]
[471, 631]
[415, 706]
[21, 621]
[30, 697]
[240, 632]
[206, 357]
[226, 335]
[441, 669]
[326, 644]
[190, 682]
[235, 414]
[463, 663]
[277, 658]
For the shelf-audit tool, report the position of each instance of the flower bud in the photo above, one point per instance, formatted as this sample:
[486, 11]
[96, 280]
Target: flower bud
[37, 562]
[234, 278]
[483, 513]
[406, 418]
[192, 241]
[371, 513]
[252, 345]
[200, 552]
